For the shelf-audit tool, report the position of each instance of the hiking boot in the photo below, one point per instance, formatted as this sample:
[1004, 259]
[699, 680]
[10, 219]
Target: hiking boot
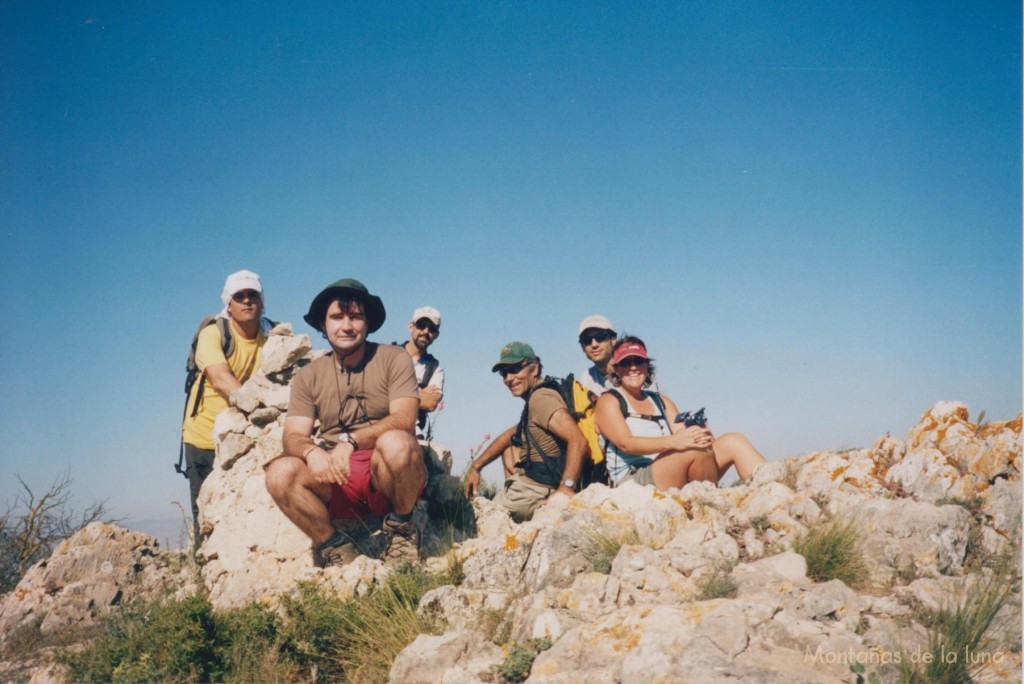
[401, 541]
[339, 554]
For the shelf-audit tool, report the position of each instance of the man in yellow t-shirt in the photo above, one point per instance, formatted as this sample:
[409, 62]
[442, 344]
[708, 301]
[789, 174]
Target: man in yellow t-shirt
[222, 376]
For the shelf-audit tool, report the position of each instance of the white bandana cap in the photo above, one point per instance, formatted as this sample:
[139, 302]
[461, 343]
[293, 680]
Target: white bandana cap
[238, 281]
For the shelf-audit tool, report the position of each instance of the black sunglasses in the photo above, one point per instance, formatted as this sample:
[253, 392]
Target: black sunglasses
[599, 336]
[242, 295]
[424, 324]
[505, 371]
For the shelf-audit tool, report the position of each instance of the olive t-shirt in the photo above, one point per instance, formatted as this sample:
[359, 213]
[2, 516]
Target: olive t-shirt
[345, 400]
[543, 404]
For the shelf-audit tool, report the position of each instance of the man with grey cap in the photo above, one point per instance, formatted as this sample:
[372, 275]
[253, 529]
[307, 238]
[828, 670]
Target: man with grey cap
[424, 328]
[227, 352]
[541, 455]
[597, 337]
[349, 449]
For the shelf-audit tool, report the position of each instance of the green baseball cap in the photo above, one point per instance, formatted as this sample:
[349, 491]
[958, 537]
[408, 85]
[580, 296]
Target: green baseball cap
[514, 352]
[346, 287]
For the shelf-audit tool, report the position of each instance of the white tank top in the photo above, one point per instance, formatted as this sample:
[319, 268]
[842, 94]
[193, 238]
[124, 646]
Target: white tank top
[620, 463]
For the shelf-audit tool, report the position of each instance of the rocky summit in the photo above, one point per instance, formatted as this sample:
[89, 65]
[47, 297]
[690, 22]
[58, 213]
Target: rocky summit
[701, 584]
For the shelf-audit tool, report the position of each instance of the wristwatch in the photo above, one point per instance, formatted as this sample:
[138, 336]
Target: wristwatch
[570, 483]
[347, 437]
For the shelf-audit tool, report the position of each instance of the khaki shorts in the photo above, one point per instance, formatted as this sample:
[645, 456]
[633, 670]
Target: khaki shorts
[642, 476]
[521, 496]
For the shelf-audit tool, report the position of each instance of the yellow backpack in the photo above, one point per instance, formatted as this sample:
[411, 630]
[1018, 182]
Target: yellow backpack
[583, 403]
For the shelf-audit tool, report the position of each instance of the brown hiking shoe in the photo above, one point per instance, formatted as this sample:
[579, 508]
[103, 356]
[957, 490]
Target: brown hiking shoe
[337, 555]
[402, 541]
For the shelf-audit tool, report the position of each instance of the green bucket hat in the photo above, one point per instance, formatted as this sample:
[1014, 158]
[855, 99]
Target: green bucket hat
[346, 288]
[514, 352]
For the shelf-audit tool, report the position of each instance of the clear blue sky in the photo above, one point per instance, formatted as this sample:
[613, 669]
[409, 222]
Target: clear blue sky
[810, 210]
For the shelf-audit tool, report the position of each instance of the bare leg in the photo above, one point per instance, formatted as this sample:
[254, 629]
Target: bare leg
[677, 468]
[301, 498]
[397, 470]
[734, 449]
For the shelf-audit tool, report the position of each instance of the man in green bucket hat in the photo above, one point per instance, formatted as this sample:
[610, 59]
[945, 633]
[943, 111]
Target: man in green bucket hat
[362, 460]
[544, 453]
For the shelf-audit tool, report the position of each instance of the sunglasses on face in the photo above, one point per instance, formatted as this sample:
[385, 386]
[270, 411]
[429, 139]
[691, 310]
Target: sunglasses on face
[506, 371]
[424, 324]
[631, 362]
[600, 336]
[243, 295]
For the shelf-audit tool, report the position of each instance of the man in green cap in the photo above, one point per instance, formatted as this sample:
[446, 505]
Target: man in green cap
[349, 446]
[544, 453]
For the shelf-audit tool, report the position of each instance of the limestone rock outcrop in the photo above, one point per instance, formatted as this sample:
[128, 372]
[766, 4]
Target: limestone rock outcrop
[96, 570]
[652, 612]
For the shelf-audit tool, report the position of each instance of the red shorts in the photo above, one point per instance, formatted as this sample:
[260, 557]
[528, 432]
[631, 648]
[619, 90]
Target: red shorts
[358, 499]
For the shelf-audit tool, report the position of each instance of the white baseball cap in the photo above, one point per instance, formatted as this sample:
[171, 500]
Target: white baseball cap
[596, 321]
[428, 312]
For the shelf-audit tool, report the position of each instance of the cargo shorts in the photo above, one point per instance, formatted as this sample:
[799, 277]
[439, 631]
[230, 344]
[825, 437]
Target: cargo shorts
[521, 496]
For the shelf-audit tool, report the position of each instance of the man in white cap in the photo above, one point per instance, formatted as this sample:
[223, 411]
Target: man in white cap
[227, 352]
[424, 329]
[597, 337]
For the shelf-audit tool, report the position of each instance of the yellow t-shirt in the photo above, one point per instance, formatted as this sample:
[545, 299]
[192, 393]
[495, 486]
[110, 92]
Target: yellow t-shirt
[245, 359]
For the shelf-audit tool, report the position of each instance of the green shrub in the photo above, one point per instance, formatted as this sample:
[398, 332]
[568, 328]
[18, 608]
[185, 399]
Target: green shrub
[383, 623]
[317, 636]
[963, 627]
[249, 646]
[833, 552]
[791, 473]
[457, 512]
[604, 547]
[760, 523]
[519, 660]
[312, 620]
[719, 584]
[452, 521]
[172, 641]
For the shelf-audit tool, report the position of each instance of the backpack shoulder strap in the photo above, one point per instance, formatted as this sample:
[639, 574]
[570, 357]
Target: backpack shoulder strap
[563, 386]
[623, 406]
[658, 401]
[567, 387]
[227, 340]
[192, 372]
[431, 365]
